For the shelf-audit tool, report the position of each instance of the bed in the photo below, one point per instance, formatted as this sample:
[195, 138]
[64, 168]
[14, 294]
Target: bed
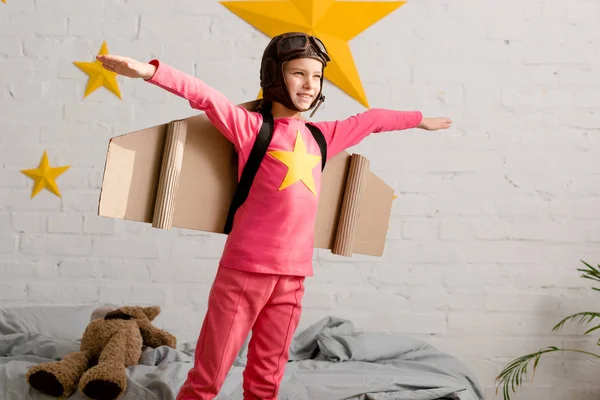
[329, 360]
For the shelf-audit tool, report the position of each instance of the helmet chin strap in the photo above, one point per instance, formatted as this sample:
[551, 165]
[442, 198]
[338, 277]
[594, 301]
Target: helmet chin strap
[321, 100]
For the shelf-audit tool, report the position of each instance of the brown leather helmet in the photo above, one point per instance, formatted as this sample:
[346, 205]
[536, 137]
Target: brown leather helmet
[286, 47]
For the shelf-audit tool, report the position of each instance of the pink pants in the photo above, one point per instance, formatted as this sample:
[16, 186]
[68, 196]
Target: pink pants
[270, 306]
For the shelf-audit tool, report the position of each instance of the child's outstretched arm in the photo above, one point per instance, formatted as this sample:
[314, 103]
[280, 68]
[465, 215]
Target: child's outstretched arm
[236, 123]
[346, 133]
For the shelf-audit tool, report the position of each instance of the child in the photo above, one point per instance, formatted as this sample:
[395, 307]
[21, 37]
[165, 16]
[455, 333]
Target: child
[259, 284]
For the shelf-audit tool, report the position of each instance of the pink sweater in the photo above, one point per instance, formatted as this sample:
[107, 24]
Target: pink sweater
[273, 231]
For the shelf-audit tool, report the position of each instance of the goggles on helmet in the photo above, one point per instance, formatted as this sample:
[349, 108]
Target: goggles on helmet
[301, 42]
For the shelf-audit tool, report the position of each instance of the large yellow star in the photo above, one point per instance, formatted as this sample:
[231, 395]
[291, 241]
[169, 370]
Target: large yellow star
[334, 22]
[44, 176]
[300, 165]
[99, 76]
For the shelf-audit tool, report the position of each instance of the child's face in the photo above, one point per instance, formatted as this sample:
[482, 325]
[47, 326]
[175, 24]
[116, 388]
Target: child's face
[303, 80]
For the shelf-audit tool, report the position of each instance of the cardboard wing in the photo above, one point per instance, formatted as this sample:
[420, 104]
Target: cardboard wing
[184, 174]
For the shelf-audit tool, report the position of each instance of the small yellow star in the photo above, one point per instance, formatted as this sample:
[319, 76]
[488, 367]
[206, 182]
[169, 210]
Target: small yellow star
[4, 1]
[44, 176]
[99, 76]
[300, 165]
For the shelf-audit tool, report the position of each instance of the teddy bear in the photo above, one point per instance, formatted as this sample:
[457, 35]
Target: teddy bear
[111, 342]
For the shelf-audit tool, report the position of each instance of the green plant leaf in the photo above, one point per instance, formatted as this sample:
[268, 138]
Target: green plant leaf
[590, 272]
[592, 330]
[583, 318]
[512, 375]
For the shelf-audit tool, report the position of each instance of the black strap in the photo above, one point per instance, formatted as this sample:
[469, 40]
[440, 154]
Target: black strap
[259, 149]
[320, 139]
[261, 143]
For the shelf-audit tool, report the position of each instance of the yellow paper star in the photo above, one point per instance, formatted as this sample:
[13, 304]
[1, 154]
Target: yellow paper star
[99, 76]
[300, 165]
[334, 22]
[44, 176]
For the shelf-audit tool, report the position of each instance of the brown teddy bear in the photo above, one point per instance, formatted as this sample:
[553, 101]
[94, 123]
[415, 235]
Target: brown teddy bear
[112, 341]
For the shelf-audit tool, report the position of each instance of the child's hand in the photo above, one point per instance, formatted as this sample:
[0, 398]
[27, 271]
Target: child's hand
[126, 66]
[433, 124]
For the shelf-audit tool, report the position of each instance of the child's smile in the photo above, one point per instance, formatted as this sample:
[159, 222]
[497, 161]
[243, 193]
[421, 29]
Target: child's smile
[305, 98]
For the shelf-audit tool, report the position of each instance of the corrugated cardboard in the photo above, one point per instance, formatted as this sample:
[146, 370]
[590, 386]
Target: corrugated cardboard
[184, 174]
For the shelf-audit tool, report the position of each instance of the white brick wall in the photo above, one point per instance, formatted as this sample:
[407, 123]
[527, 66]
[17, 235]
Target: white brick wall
[491, 220]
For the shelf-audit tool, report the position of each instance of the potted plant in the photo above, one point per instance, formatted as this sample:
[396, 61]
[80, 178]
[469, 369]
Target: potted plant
[513, 373]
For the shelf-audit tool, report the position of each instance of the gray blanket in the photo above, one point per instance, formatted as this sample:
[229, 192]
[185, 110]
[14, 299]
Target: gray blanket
[330, 360]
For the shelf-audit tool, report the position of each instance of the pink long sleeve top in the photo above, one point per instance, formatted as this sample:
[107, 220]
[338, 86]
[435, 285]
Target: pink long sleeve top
[273, 231]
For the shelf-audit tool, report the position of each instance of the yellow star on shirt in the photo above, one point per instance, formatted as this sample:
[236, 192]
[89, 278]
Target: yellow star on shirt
[99, 76]
[334, 22]
[300, 165]
[44, 176]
